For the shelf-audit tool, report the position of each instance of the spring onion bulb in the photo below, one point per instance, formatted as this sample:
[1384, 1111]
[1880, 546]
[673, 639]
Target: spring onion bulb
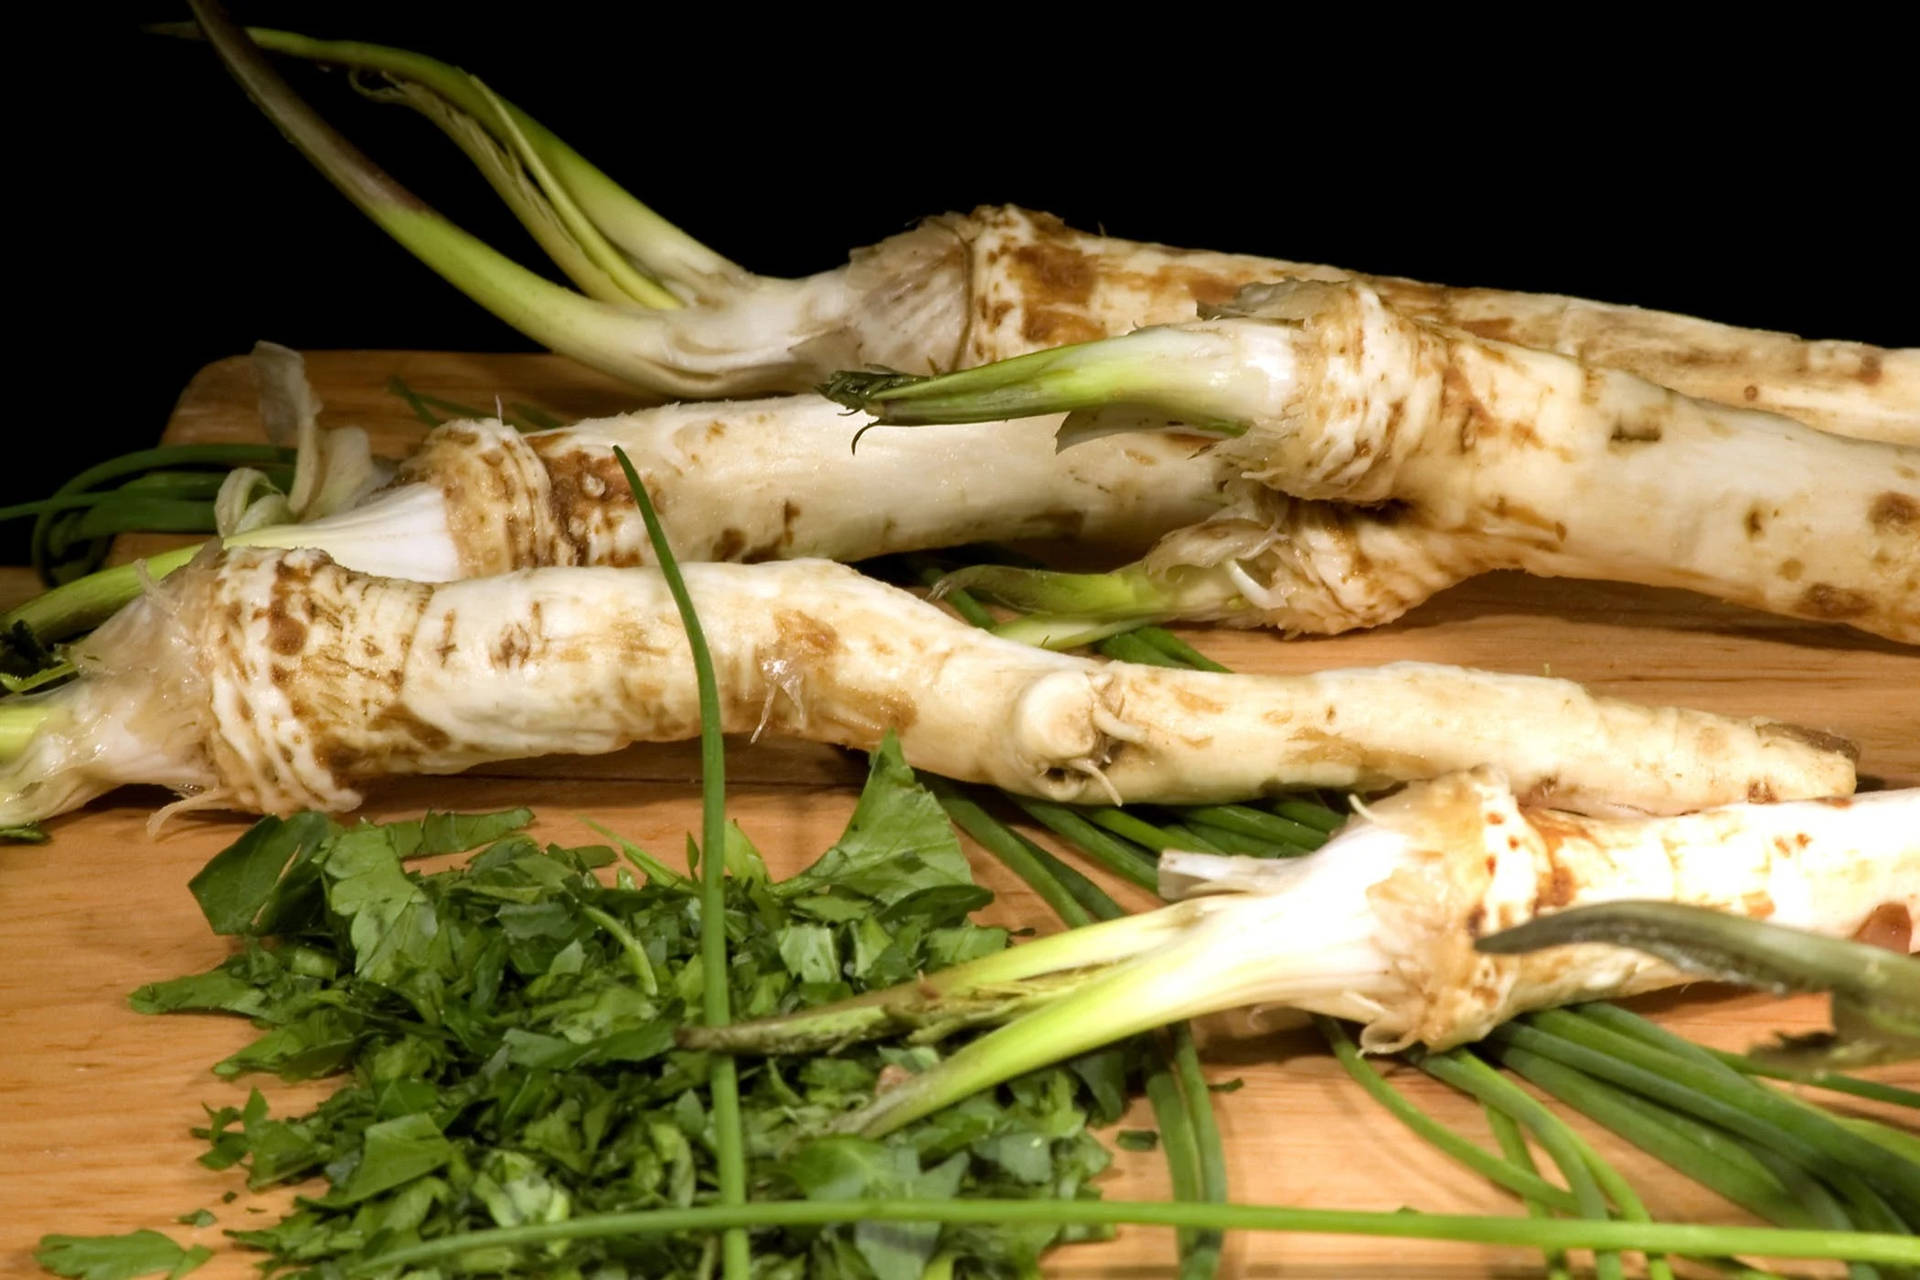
[1467, 455]
[273, 680]
[672, 316]
[1379, 926]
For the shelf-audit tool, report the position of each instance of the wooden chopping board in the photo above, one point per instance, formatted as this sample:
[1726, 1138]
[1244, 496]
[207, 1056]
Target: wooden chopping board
[96, 1101]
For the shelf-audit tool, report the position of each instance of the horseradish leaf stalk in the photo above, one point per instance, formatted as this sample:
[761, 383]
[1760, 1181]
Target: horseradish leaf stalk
[1377, 927]
[967, 289]
[1454, 455]
[615, 339]
[530, 168]
[1876, 992]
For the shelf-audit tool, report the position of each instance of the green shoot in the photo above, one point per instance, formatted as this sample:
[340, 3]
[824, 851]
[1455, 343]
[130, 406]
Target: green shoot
[19, 722]
[1875, 992]
[1046, 631]
[1177, 372]
[614, 339]
[1175, 1087]
[159, 488]
[1700, 1086]
[1123, 594]
[457, 103]
[724, 1080]
[430, 409]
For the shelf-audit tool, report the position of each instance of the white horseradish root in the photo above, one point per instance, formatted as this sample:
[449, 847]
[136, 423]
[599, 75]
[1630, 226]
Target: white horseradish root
[747, 481]
[1454, 455]
[269, 681]
[779, 479]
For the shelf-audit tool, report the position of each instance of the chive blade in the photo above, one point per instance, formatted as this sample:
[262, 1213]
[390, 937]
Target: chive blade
[1513, 1145]
[1501, 1173]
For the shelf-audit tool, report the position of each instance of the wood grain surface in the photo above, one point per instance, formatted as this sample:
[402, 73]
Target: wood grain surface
[96, 1101]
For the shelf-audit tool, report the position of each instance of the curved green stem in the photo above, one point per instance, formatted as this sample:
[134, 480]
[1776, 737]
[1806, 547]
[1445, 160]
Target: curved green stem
[606, 337]
[723, 1080]
[1164, 369]
[665, 249]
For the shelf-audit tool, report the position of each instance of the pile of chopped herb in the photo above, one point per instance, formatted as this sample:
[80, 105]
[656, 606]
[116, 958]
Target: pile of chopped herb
[505, 1032]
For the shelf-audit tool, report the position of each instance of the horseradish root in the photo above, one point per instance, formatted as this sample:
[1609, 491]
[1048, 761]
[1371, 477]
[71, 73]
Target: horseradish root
[270, 681]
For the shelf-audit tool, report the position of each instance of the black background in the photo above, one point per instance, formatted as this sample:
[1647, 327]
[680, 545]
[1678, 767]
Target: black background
[1756, 183]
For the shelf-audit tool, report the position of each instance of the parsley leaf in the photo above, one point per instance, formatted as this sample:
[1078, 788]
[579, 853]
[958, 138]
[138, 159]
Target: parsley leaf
[503, 1033]
[138, 1253]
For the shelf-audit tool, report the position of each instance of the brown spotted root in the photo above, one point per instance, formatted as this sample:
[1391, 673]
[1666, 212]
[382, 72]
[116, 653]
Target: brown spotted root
[319, 680]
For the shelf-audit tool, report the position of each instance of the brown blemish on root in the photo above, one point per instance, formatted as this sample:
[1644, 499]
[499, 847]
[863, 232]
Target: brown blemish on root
[286, 634]
[1462, 407]
[1818, 739]
[1335, 748]
[1894, 511]
[1055, 280]
[400, 720]
[1824, 600]
[1194, 703]
[447, 648]
[1635, 433]
[513, 647]
[1555, 829]
[808, 644]
[1756, 521]
[1870, 369]
[1561, 886]
[1890, 926]
[587, 494]
[1791, 570]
